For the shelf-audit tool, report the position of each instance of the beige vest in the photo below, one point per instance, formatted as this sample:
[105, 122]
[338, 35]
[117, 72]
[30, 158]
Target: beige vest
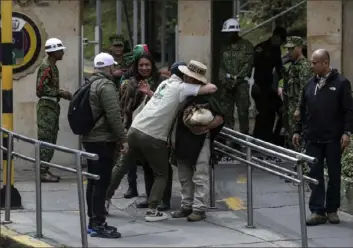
[156, 117]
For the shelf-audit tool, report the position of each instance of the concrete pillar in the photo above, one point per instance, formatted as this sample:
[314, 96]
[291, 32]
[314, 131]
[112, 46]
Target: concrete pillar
[347, 36]
[324, 29]
[194, 21]
[58, 19]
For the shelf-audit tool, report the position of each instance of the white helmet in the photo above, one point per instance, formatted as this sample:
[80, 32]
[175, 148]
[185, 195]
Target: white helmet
[231, 25]
[53, 45]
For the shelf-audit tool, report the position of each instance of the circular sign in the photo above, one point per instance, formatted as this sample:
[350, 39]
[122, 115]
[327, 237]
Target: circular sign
[27, 42]
[27, 39]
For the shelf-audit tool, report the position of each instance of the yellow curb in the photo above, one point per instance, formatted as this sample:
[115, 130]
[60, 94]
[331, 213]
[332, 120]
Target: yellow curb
[234, 203]
[22, 239]
[241, 179]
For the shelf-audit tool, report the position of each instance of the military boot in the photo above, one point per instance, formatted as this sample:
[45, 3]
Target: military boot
[48, 177]
[181, 213]
[142, 204]
[316, 219]
[333, 218]
[131, 179]
[196, 216]
[131, 192]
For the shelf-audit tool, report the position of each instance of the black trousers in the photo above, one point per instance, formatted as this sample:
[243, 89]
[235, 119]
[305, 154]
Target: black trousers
[265, 119]
[331, 151]
[96, 189]
[132, 176]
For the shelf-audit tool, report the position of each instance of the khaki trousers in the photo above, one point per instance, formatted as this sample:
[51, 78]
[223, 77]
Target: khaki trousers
[194, 180]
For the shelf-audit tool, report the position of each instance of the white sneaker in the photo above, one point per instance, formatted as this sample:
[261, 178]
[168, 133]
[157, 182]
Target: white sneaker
[155, 215]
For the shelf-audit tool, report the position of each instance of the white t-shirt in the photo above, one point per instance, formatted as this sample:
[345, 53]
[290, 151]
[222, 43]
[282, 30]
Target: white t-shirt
[156, 118]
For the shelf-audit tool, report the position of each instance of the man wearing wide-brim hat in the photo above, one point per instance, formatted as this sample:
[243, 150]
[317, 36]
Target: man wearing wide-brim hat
[198, 121]
[195, 70]
[149, 131]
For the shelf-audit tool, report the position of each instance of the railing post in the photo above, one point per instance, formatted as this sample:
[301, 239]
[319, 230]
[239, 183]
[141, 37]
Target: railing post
[212, 184]
[250, 208]
[8, 178]
[39, 224]
[98, 28]
[301, 194]
[81, 200]
[135, 21]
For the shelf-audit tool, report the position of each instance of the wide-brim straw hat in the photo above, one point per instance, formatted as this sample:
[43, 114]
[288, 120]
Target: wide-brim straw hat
[195, 69]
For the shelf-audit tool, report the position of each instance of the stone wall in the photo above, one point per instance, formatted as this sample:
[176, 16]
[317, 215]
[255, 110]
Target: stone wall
[194, 22]
[58, 19]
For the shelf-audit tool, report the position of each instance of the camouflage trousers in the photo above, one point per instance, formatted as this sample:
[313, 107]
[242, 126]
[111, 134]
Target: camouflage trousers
[289, 125]
[305, 165]
[242, 102]
[289, 122]
[48, 113]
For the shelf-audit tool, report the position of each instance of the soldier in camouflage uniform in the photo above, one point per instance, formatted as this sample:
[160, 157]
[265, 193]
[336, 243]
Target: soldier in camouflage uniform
[297, 73]
[48, 108]
[295, 76]
[117, 51]
[237, 61]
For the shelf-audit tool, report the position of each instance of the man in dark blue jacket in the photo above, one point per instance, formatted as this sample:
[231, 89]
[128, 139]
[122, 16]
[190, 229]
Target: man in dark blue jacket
[326, 120]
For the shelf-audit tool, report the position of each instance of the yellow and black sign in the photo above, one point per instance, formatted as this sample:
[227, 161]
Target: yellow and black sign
[28, 38]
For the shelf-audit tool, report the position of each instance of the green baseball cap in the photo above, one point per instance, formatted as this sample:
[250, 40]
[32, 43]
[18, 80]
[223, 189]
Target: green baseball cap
[293, 41]
[116, 39]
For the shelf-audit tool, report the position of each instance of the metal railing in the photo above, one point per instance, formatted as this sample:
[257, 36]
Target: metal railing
[36, 160]
[252, 144]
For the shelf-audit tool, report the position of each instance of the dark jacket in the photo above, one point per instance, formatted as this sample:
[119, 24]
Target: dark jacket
[326, 113]
[267, 57]
[188, 145]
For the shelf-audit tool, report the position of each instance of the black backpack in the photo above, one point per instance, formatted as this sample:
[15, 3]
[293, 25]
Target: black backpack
[80, 113]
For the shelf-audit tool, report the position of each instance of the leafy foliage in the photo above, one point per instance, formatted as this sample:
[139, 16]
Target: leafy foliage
[347, 161]
[294, 20]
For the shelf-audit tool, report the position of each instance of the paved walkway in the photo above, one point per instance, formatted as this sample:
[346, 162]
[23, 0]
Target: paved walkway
[276, 217]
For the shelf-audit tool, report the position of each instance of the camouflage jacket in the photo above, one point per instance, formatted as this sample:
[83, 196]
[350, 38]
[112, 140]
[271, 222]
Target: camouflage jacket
[285, 68]
[47, 80]
[295, 76]
[124, 64]
[237, 59]
[131, 98]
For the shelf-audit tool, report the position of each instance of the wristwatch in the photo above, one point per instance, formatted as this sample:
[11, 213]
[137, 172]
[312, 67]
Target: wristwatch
[348, 133]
